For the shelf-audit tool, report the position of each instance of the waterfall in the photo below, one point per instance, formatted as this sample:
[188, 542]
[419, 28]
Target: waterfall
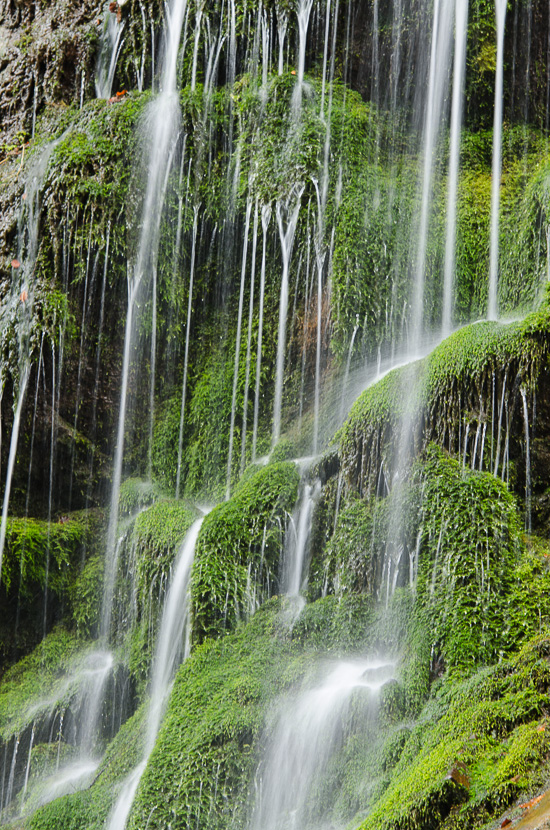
[307, 734]
[437, 83]
[266, 216]
[492, 306]
[461, 30]
[109, 51]
[303, 12]
[291, 209]
[249, 338]
[171, 647]
[237, 349]
[527, 462]
[18, 307]
[164, 123]
[345, 382]
[297, 541]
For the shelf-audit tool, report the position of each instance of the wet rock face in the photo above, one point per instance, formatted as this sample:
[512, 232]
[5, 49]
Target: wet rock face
[47, 51]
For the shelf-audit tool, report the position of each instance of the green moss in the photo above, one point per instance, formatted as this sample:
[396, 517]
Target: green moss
[37, 552]
[469, 546]
[487, 727]
[136, 494]
[39, 680]
[86, 596]
[238, 549]
[453, 387]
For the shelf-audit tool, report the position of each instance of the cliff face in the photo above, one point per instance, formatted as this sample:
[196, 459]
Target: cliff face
[224, 278]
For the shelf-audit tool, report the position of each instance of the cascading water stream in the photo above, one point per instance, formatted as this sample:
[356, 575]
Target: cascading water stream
[266, 217]
[249, 338]
[527, 462]
[297, 541]
[492, 304]
[461, 30]
[292, 210]
[187, 342]
[307, 734]
[19, 306]
[164, 117]
[237, 350]
[433, 119]
[109, 51]
[345, 382]
[171, 648]
[303, 12]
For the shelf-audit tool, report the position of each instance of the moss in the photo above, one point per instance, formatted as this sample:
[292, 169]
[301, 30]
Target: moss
[477, 742]
[459, 385]
[39, 679]
[86, 596]
[136, 494]
[237, 555]
[468, 546]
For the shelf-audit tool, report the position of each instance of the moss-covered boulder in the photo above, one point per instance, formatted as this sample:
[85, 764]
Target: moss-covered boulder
[238, 551]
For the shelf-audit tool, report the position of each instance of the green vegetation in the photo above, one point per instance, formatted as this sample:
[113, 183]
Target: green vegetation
[38, 682]
[442, 394]
[477, 745]
[469, 545]
[238, 550]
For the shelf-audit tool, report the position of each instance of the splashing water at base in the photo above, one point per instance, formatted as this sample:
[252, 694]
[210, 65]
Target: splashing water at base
[307, 735]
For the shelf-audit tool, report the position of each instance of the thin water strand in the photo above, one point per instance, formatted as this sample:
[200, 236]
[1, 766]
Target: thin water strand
[459, 67]
[492, 305]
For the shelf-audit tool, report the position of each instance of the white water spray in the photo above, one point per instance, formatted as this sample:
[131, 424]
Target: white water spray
[307, 734]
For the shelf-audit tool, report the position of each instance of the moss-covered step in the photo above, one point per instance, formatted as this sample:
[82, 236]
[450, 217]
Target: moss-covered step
[467, 396]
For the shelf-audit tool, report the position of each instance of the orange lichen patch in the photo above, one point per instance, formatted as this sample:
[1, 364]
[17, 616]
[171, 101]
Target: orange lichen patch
[117, 97]
[15, 263]
[529, 804]
[24, 296]
[537, 813]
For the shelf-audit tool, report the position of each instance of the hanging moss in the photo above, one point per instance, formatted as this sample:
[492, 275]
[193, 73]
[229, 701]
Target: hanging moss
[237, 556]
[458, 386]
[469, 546]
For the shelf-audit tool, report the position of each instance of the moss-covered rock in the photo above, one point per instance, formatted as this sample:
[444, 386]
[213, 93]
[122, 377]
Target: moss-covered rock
[237, 557]
[466, 395]
[479, 742]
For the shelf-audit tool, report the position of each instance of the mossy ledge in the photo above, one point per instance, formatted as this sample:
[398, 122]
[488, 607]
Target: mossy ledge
[466, 397]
